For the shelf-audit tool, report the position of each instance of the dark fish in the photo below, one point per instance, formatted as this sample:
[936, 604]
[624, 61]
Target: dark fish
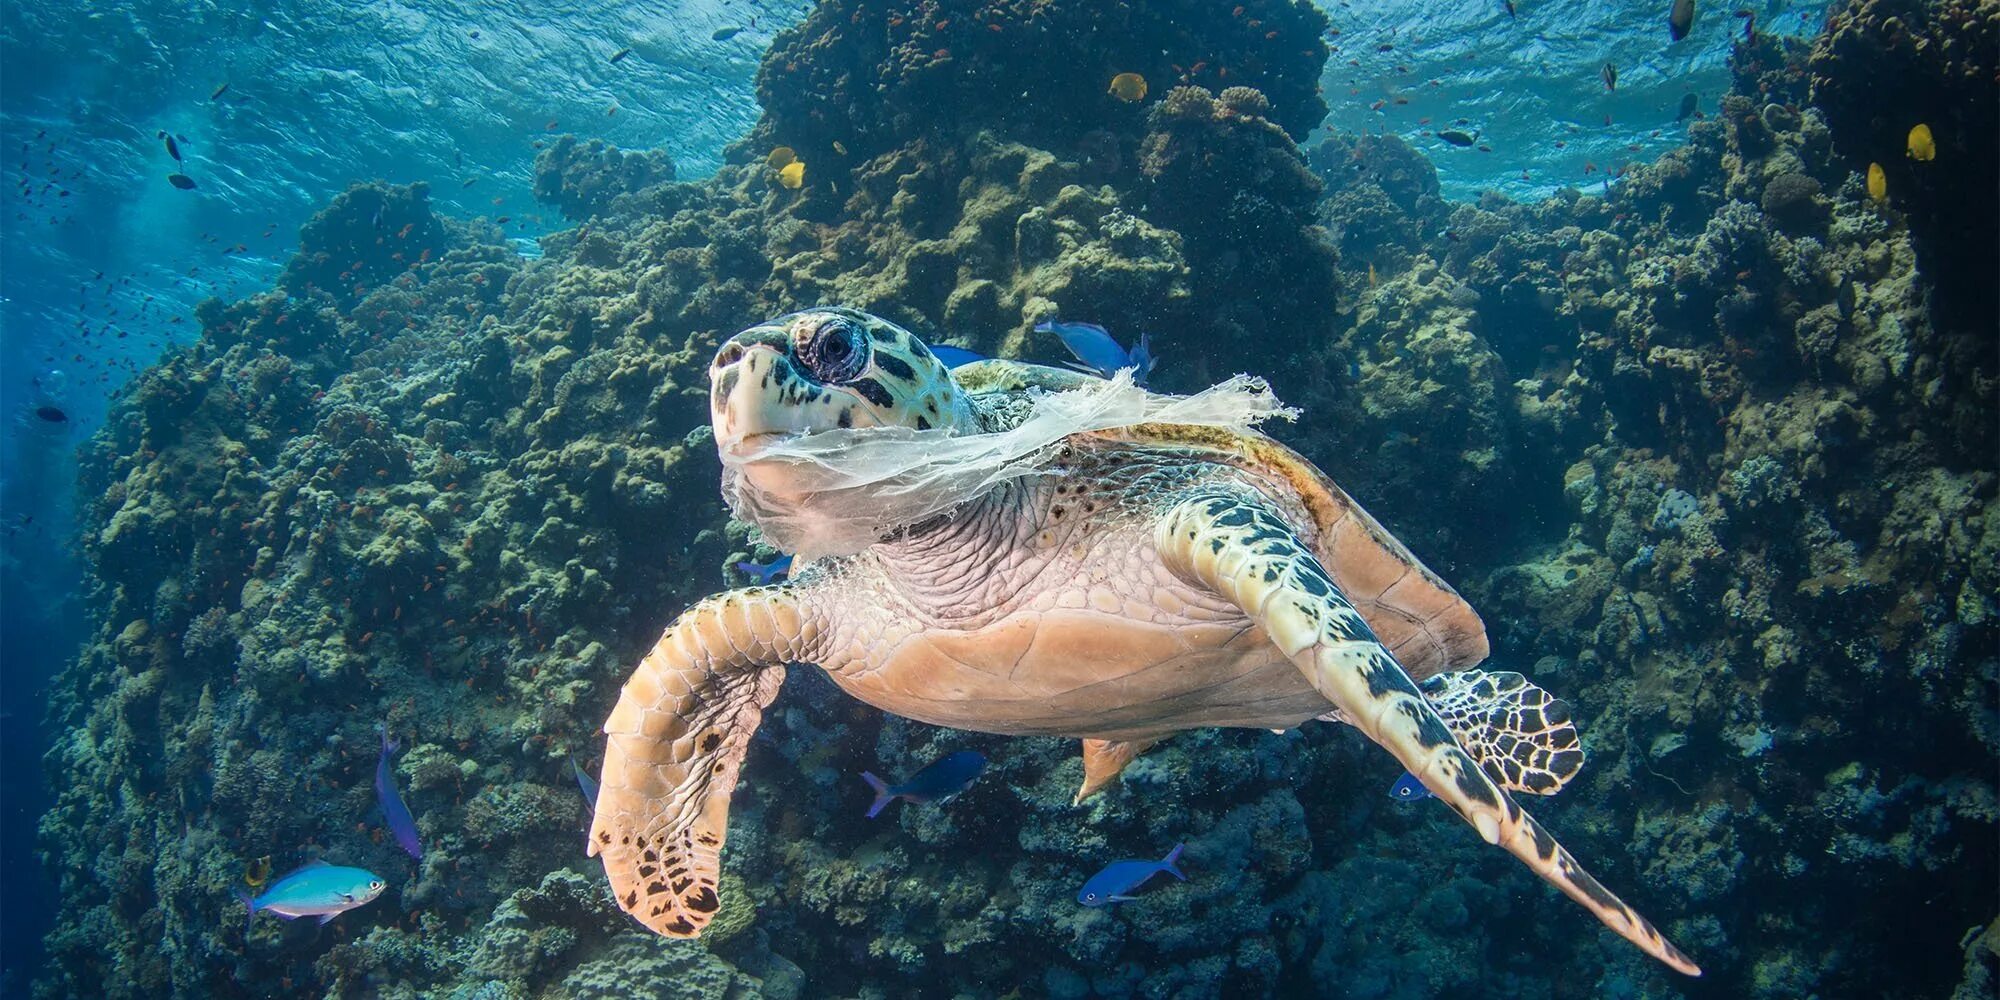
[1120, 879]
[1688, 103]
[1408, 789]
[725, 34]
[52, 414]
[468, 182]
[620, 54]
[173, 148]
[584, 783]
[943, 779]
[1680, 19]
[401, 823]
[1610, 76]
[182, 181]
[767, 573]
[219, 91]
[1455, 137]
[1509, 4]
[954, 357]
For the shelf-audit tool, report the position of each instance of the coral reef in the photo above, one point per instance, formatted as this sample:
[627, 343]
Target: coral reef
[1883, 67]
[1700, 445]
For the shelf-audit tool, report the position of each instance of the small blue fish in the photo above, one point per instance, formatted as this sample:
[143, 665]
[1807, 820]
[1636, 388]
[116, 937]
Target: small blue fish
[1098, 353]
[1408, 789]
[955, 357]
[942, 779]
[318, 890]
[583, 782]
[394, 812]
[768, 573]
[1120, 879]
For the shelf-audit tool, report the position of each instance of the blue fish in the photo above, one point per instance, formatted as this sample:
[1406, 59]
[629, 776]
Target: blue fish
[583, 782]
[1098, 353]
[394, 812]
[1408, 789]
[316, 889]
[955, 357]
[942, 779]
[767, 573]
[1120, 879]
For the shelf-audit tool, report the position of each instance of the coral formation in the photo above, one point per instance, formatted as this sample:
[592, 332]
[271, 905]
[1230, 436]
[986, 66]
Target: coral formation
[1699, 445]
[1881, 68]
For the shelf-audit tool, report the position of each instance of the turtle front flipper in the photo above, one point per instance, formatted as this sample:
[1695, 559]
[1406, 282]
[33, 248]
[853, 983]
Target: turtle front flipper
[1235, 544]
[1521, 735]
[673, 746]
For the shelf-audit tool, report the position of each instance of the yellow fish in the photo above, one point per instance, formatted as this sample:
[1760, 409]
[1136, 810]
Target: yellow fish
[1878, 183]
[779, 157]
[1128, 87]
[1922, 146]
[1371, 276]
[256, 873]
[793, 174]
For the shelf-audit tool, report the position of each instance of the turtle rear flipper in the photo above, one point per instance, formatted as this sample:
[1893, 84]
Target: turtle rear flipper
[1235, 545]
[673, 747]
[1521, 735]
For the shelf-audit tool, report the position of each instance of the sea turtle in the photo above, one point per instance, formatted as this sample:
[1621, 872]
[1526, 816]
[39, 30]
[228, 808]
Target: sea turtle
[1152, 578]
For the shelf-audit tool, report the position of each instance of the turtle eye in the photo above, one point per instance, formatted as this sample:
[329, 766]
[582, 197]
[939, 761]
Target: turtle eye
[835, 350]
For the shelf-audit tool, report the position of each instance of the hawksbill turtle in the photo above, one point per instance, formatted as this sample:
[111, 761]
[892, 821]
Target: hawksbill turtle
[1140, 579]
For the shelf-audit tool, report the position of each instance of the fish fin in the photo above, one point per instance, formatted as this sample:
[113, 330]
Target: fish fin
[1240, 548]
[1104, 761]
[1119, 899]
[1171, 864]
[1522, 736]
[675, 744]
[250, 918]
[324, 918]
[883, 796]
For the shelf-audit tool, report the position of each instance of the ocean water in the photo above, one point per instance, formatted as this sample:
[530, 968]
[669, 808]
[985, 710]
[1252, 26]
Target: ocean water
[1676, 362]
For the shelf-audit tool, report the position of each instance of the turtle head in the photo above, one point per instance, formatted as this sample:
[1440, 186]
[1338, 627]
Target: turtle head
[825, 369]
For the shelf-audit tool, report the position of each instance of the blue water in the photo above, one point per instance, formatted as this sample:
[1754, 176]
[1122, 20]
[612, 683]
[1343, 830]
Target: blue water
[100, 256]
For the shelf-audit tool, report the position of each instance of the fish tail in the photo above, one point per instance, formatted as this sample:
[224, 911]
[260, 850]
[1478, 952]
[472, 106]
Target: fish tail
[249, 919]
[1171, 864]
[882, 794]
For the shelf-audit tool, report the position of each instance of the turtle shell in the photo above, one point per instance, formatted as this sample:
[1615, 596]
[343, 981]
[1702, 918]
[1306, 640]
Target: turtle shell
[1421, 620]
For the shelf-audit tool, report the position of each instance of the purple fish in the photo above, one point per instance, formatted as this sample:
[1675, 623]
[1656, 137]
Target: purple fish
[1408, 789]
[767, 573]
[401, 823]
[942, 779]
[1098, 353]
[1120, 879]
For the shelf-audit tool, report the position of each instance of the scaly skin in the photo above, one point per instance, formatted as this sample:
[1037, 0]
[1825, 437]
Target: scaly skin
[1137, 588]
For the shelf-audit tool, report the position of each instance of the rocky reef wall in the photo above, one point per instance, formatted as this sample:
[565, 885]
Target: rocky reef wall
[1701, 445]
